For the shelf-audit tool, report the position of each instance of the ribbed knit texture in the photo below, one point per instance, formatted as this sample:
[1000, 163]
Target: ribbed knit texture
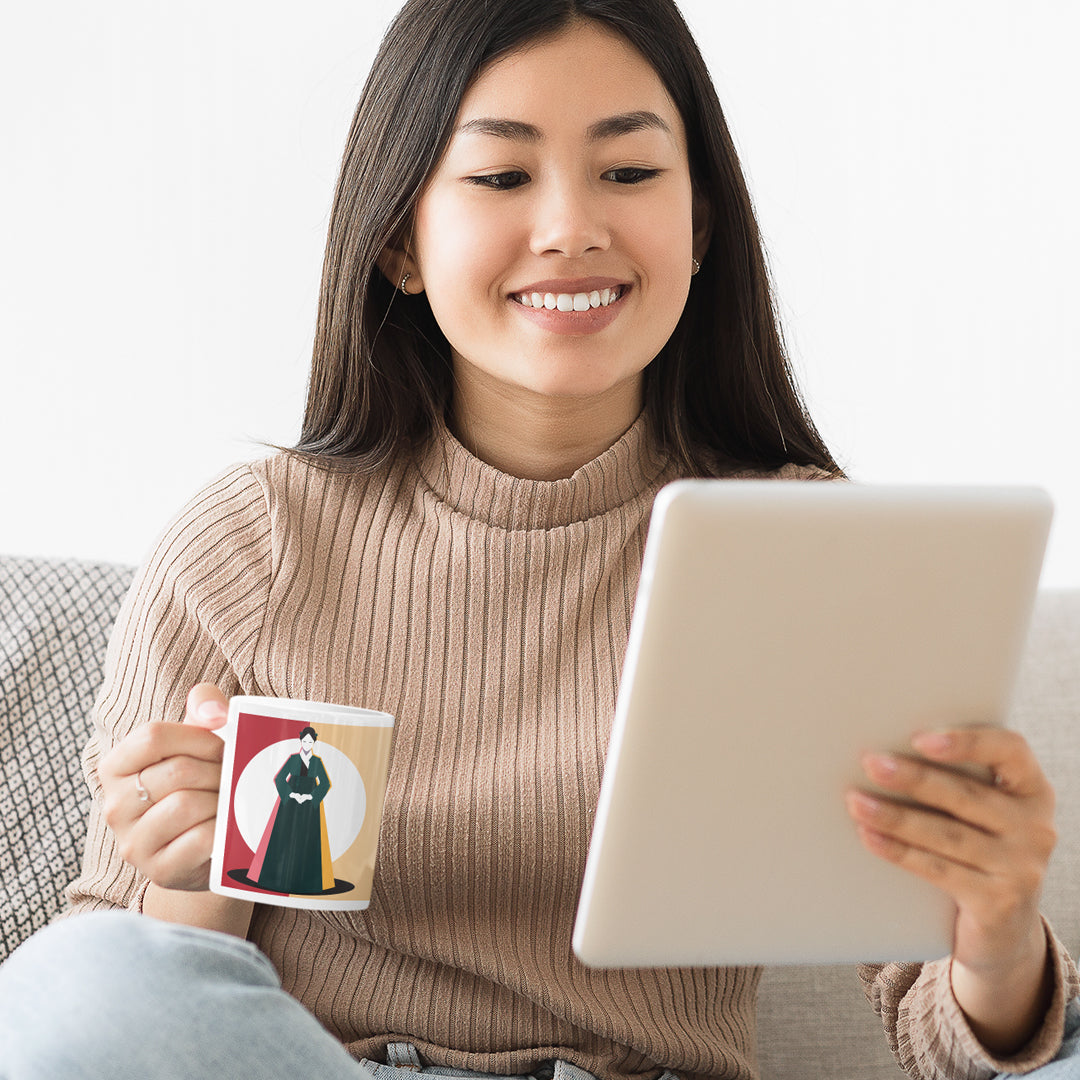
[489, 615]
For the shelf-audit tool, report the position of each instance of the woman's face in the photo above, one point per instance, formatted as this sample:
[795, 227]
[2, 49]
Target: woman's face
[555, 237]
[307, 743]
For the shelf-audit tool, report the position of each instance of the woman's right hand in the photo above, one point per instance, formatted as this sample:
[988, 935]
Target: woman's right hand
[167, 834]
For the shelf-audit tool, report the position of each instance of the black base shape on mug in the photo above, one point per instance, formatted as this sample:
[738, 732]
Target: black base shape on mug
[340, 886]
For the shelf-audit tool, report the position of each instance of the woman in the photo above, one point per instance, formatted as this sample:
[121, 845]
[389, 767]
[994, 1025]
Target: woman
[543, 297]
[293, 855]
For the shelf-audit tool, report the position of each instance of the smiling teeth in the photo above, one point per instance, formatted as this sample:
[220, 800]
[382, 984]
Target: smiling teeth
[581, 301]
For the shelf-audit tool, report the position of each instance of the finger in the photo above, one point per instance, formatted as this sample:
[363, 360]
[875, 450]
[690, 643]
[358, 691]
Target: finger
[986, 895]
[184, 863]
[125, 805]
[207, 707]
[927, 831]
[178, 773]
[156, 742]
[1006, 753]
[964, 884]
[945, 790]
[164, 824]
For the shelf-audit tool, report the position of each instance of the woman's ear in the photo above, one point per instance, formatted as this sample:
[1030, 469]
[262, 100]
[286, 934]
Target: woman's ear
[400, 269]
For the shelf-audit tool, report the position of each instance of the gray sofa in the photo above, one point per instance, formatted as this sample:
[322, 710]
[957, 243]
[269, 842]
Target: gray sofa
[55, 618]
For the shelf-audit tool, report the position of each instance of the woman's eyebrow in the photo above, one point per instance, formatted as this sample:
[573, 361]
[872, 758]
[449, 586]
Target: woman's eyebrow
[515, 130]
[625, 124]
[608, 128]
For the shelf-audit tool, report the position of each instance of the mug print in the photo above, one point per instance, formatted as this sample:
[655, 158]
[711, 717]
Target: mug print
[294, 853]
[301, 800]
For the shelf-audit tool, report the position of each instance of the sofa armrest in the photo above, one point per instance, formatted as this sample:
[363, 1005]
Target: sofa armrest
[55, 620]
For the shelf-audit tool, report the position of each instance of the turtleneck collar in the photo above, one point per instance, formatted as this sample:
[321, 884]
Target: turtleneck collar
[629, 468]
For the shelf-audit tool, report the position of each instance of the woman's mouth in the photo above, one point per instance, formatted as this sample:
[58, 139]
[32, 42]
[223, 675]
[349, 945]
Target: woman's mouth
[580, 301]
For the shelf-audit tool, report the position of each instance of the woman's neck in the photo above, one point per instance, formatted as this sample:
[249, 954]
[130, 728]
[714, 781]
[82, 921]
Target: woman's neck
[537, 437]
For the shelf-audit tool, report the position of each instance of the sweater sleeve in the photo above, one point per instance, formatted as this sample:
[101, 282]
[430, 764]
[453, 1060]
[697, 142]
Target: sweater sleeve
[929, 1034]
[193, 614]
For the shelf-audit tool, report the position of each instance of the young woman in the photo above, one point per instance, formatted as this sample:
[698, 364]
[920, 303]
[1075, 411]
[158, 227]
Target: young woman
[293, 855]
[543, 297]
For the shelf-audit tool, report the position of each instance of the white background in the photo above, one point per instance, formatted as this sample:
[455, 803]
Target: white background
[166, 172]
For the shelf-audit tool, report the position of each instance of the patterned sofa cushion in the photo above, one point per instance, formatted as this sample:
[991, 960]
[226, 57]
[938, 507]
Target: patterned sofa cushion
[55, 618]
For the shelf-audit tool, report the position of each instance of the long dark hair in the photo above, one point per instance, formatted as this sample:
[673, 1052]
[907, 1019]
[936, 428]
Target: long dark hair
[720, 393]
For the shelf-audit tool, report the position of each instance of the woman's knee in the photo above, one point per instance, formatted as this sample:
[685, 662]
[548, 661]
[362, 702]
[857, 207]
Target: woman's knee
[126, 954]
[92, 984]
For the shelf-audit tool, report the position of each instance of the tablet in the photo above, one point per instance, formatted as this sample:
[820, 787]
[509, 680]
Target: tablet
[782, 628]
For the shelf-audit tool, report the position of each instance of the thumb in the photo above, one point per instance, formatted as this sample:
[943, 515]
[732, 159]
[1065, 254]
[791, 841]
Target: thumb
[206, 707]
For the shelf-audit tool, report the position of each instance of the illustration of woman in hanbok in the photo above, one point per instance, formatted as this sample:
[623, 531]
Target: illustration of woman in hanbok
[294, 853]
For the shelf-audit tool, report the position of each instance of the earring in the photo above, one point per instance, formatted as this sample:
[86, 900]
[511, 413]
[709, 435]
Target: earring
[697, 267]
[402, 285]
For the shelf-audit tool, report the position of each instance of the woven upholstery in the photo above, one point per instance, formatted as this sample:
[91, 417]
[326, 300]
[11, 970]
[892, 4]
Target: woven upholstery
[55, 618]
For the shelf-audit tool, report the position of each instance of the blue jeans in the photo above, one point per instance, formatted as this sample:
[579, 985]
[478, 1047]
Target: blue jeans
[116, 996]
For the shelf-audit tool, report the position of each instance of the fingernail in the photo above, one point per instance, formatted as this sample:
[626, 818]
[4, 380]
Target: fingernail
[872, 838]
[881, 765]
[932, 742]
[211, 710]
[860, 801]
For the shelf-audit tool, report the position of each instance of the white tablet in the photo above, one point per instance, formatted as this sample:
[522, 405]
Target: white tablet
[782, 628]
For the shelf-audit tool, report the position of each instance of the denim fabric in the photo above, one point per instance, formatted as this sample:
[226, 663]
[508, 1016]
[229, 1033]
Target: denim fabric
[118, 996]
[123, 996]
[403, 1063]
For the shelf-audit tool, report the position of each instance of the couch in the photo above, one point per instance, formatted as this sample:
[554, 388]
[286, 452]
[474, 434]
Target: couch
[55, 617]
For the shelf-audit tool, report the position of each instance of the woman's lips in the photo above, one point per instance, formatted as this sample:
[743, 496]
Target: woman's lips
[567, 301]
[579, 307]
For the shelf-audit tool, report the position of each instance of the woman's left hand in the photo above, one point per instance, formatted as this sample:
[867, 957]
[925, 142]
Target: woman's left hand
[987, 844]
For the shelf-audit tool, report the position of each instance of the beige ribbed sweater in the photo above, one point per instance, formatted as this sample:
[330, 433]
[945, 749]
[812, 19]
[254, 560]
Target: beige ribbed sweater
[489, 615]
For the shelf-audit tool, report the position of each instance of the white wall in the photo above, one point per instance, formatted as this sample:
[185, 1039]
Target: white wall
[167, 171]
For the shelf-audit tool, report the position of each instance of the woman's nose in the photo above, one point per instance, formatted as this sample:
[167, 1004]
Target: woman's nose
[569, 220]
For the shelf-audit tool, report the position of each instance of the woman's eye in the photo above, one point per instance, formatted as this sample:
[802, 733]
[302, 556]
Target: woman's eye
[503, 181]
[630, 174]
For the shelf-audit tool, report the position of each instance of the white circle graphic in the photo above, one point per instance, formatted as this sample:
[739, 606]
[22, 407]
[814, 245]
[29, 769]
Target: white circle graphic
[256, 796]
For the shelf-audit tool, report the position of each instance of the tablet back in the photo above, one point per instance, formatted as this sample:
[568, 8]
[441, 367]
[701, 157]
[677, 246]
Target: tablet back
[781, 628]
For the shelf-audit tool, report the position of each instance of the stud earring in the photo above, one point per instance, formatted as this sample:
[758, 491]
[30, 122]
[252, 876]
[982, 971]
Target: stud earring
[402, 285]
[697, 266]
